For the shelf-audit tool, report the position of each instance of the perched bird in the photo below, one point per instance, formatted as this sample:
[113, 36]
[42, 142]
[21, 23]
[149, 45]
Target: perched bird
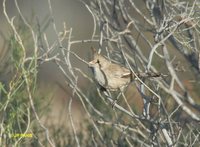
[112, 76]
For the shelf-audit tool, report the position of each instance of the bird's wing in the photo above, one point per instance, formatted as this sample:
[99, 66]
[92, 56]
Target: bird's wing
[122, 72]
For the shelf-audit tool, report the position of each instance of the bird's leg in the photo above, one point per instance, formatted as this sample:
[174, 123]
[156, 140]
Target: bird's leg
[106, 92]
[109, 96]
[121, 92]
[100, 92]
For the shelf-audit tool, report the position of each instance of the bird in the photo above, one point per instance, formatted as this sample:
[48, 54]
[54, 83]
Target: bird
[112, 76]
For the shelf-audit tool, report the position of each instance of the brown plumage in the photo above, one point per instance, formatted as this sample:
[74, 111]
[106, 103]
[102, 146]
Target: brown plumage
[111, 75]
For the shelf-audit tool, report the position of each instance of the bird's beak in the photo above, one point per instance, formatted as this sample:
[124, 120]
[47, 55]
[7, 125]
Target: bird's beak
[91, 64]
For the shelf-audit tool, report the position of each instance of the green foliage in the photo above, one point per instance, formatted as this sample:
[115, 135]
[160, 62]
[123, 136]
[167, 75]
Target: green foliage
[15, 109]
[17, 52]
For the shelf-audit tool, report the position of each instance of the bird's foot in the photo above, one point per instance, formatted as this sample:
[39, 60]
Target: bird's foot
[113, 103]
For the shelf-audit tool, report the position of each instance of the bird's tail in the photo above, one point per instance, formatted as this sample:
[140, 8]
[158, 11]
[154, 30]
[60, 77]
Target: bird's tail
[146, 75]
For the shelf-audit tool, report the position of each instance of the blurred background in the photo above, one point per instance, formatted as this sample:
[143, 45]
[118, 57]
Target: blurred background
[76, 16]
[53, 92]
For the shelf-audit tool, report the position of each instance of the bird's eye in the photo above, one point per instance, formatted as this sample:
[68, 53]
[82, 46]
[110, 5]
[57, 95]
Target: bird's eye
[97, 61]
